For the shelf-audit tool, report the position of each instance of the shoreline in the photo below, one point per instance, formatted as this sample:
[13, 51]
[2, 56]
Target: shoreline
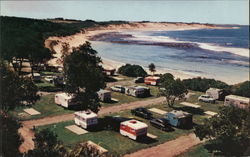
[86, 34]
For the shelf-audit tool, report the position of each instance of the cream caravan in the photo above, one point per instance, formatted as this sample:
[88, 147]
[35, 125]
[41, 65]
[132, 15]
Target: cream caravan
[86, 119]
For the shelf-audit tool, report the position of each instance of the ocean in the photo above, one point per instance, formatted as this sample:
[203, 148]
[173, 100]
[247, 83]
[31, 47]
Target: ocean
[222, 54]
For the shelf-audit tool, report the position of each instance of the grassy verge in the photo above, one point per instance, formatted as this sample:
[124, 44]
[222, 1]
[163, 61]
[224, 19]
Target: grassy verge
[46, 106]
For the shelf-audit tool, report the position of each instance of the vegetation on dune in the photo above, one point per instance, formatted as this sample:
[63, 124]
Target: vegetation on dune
[202, 84]
[23, 38]
[83, 76]
[242, 89]
[229, 131]
[132, 70]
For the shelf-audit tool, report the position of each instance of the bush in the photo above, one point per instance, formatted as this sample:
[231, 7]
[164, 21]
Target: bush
[242, 89]
[132, 70]
[202, 84]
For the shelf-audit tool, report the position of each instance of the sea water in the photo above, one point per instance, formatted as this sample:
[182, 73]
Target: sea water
[222, 54]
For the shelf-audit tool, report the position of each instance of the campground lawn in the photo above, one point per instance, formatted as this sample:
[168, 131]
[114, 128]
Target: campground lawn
[46, 106]
[116, 143]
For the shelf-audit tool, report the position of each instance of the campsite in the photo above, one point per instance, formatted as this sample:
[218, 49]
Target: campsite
[77, 88]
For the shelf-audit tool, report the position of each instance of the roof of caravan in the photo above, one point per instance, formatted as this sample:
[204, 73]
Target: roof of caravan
[214, 89]
[103, 91]
[86, 114]
[65, 95]
[152, 77]
[240, 98]
[36, 74]
[179, 114]
[135, 124]
[138, 87]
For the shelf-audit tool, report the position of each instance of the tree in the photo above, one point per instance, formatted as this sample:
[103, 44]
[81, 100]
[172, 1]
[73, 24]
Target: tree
[85, 150]
[202, 84]
[229, 131]
[132, 71]
[166, 77]
[15, 90]
[151, 67]
[47, 145]
[84, 77]
[242, 89]
[172, 89]
[9, 139]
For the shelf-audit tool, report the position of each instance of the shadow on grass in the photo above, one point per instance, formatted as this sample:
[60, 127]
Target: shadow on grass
[146, 140]
[190, 110]
[110, 79]
[228, 149]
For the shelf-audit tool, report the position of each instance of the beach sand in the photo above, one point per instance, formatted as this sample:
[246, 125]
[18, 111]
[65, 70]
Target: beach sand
[80, 38]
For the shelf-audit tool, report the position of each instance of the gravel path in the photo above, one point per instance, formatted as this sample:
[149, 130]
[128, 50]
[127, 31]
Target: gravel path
[170, 148]
[27, 134]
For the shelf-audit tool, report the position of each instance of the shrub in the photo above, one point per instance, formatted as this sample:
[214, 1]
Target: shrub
[202, 84]
[132, 70]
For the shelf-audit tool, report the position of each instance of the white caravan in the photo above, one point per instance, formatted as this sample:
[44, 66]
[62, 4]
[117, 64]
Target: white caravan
[86, 119]
[64, 100]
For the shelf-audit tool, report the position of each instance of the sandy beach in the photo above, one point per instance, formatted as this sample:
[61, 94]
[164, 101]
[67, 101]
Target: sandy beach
[80, 38]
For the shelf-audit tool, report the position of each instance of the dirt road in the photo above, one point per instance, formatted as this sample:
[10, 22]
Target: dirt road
[170, 148]
[27, 134]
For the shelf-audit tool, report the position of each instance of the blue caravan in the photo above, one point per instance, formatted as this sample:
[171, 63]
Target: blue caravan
[179, 119]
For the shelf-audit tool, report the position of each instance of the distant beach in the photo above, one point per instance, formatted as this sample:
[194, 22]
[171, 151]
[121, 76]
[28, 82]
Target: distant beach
[137, 37]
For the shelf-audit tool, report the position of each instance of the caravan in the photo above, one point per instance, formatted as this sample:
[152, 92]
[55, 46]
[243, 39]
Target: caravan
[64, 100]
[86, 119]
[152, 80]
[133, 129]
[137, 91]
[237, 101]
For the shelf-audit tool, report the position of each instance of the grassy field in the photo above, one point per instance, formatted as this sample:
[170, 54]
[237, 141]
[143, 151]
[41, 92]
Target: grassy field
[46, 106]
[111, 140]
[116, 143]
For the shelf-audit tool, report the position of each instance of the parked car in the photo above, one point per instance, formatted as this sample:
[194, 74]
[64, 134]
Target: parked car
[113, 122]
[142, 112]
[161, 123]
[206, 98]
[118, 88]
[139, 80]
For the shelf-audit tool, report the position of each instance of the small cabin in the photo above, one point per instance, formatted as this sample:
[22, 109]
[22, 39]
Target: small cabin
[64, 100]
[86, 119]
[152, 80]
[137, 91]
[179, 119]
[218, 94]
[237, 101]
[133, 129]
[109, 71]
[104, 95]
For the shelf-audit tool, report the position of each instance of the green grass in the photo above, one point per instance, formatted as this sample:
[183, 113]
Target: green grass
[111, 140]
[205, 106]
[116, 143]
[44, 84]
[46, 106]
